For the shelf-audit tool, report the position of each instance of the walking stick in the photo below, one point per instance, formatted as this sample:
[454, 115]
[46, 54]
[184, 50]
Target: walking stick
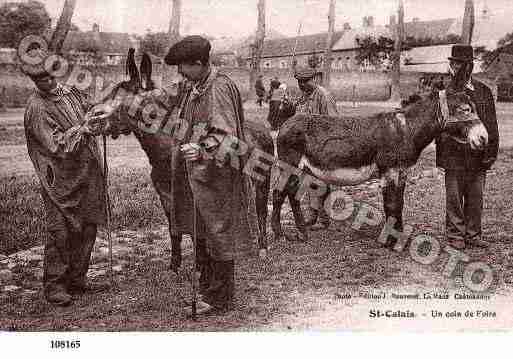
[108, 208]
[194, 254]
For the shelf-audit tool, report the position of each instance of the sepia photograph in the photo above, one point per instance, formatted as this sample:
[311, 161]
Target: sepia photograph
[261, 166]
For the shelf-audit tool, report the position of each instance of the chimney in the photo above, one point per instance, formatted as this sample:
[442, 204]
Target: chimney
[96, 27]
[393, 21]
[485, 14]
[347, 26]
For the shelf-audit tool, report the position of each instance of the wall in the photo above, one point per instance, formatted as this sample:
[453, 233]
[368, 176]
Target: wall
[15, 88]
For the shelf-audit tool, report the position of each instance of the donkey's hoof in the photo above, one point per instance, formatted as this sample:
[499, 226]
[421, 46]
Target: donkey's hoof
[175, 264]
[296, 237]
[262, 253]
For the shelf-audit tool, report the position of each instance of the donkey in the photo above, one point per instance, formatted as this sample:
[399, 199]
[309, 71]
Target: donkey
[347, 151]
[158, 143]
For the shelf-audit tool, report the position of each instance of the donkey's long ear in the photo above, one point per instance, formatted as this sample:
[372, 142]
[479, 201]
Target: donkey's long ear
[146, 70]
[131, 69]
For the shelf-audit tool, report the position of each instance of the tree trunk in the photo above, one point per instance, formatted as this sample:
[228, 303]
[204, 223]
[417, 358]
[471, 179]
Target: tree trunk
[63, 26]
[395, 94]
[257, 49]
[174, 24]
[468, 23]
[329, 44]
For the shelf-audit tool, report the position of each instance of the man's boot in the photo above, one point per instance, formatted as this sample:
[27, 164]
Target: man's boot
[219, 295]
[57, 295]
[89, 288]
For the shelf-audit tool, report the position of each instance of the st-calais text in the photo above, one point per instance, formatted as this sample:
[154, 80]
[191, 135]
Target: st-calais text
[376, 313]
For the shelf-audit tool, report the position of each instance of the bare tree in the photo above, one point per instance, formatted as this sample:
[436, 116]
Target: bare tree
[63, 26]
[396, 58]
[174, 24]
[257, 48]
[468, 22]
[329, 44]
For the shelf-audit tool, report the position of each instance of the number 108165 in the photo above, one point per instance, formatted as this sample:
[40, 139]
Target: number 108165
[65, 344]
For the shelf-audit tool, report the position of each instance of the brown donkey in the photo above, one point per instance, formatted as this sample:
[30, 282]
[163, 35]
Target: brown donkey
[347, 151]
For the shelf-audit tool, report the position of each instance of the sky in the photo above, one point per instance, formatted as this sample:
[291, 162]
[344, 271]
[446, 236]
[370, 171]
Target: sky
[237, 18]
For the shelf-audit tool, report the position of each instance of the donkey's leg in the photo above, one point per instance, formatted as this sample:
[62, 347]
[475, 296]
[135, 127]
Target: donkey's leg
[176, 251]
[262, 197]
[278, 200]
[393, 203]
[299, 219]
[176, 246]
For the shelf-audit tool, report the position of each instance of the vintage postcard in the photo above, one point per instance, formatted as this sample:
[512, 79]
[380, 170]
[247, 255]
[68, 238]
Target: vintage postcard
[255, 166]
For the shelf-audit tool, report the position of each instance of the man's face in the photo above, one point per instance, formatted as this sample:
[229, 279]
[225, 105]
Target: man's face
[307, 86]
[46, 83]
[192, 71]
[455, 67]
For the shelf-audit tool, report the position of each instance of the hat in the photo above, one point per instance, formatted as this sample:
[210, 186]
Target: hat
[463, 53]
[33, 63]
[306, 74]
[189, 49]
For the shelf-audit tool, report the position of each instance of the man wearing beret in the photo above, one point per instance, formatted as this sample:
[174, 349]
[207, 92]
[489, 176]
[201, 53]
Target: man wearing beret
[210, 112]
[316, 100]
[66, 157]
[465, 169]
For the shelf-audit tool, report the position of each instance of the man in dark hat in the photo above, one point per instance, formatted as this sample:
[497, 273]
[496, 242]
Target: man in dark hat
[316, 100]
[465, 169]
[211, 112]
[66, 157]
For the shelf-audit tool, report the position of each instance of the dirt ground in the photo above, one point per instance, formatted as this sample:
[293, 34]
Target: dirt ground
[324, 284]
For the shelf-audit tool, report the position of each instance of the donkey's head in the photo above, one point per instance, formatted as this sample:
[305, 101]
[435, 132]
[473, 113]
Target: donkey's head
[135, 104]
[449, 110]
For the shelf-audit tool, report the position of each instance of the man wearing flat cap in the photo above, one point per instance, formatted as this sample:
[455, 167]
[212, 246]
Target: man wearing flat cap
[66, 157]
[210, 112]
[465, 169]
[316, 100]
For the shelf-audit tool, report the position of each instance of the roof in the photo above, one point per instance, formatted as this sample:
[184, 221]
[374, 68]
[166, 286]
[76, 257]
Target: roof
[429, 54]
[430, 59]
[305, 45]
[105, 42]
[434, 29]
[417, 29]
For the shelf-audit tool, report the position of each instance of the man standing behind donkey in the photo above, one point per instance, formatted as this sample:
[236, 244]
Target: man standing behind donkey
[465, 169]
[67, 160]
[315, 100]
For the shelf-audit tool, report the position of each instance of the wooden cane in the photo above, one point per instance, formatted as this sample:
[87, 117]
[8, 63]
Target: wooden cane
[194, 254]
[108, 208]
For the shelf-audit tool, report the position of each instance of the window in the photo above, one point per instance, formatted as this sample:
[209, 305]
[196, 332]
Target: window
[267, 64]
[283, 64]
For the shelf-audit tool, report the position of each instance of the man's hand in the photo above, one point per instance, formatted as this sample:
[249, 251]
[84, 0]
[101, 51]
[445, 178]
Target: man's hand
[192, 152]
[96, 122]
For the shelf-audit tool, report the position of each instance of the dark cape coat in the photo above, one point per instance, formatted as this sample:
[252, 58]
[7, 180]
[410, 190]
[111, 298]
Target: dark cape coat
[67, 162]
[224, 198]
